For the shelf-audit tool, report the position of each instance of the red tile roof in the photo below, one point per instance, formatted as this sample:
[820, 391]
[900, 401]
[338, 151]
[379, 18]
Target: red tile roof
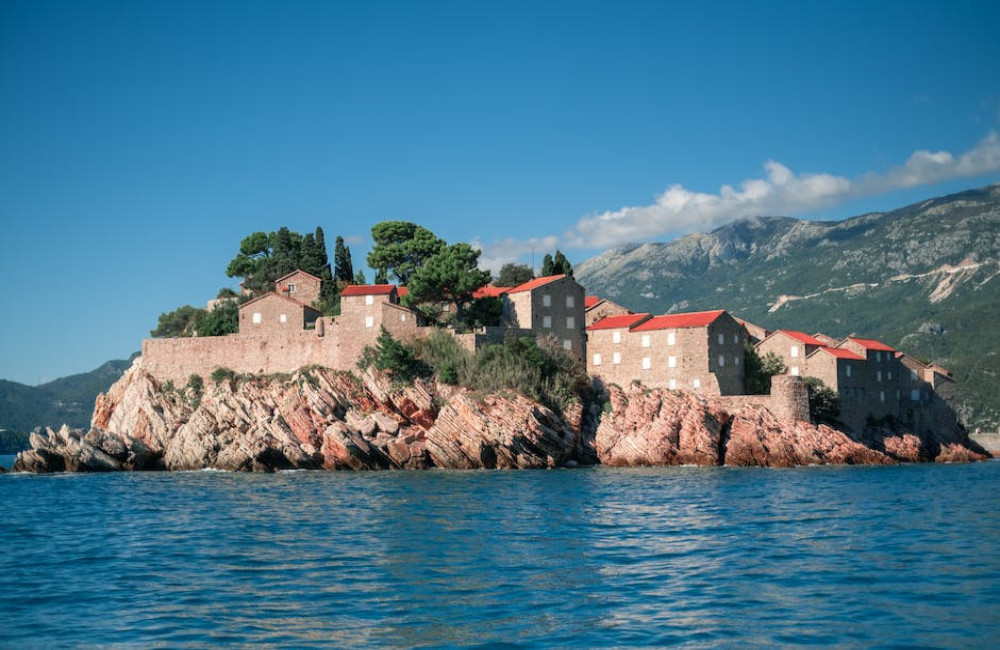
[402, 291]
[489, 291]
[802, 337]
[619, 321]
[841, 353]
[537, 282]
[871, 344]
[676, 321]
[367, 289]
[590, 301]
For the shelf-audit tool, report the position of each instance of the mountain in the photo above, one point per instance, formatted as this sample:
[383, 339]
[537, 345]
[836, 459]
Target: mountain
[923, 279]
[69, 400]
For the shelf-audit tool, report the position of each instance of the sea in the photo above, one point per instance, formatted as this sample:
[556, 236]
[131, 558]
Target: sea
[905, 556]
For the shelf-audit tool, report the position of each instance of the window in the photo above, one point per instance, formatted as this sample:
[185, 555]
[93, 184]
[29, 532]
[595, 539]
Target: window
[913, 375]
[645, 340]
[617, 358]
[597, 359]
[673, 384]
[736, 338]
[696, 383]
[888, 375]
[567, 344]
[646, 364]
[881, 396]
[547, 322]
[283, 318]
[291, 288]
[569, 302]
[722, 339]
[402, 318]
[793, 351]
[369, 321]
[878, 357]
[616, 337]
[736, 361]
[570, 322]
[722, 361]
[546, 300]
[671, 338]
[847, 370]
[369, 300]
[897, 394]
[671, 362]
[794, 371]
[878, 376]
[256, 318]
[915, 395]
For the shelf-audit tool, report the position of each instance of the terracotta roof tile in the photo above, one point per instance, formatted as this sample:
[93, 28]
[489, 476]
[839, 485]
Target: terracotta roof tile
[802, 337]
[619, 321]
[537, 282]
[590, 301]
[367, 289]
[871, 344]
[678, 321]
[840, 353]
[489, 291]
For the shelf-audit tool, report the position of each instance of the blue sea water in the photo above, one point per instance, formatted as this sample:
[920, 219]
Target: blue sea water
[706, 557]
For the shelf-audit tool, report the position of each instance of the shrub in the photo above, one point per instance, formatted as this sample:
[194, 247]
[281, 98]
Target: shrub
[757, 370]
[824, 402]
[394, 358]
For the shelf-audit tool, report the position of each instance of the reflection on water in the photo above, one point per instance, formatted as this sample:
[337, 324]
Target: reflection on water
[590, 557]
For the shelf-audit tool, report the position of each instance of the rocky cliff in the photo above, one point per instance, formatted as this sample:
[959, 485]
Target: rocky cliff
[321, 419]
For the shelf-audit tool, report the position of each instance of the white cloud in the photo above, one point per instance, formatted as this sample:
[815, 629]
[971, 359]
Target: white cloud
[781, 192]
[679, 210]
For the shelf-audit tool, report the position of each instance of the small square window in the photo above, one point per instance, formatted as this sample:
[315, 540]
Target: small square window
[567, 344]
[369, 300]
[597, 359]
[673, 384]
[283, 318]
[369, 321]
[256, 318]
[617, 358]
[848, 371]
[696, 383]
[569, 302]
[645, 340]
[671, 338]
[616, 337]
[722, 361]
[795, 371]
[722, 339]
[646, 363]
[291, 288]
[736, 361]
[546, 300]
[671, 362]
[547, 322]
[794, 351]
[878, 375]
[570, 322]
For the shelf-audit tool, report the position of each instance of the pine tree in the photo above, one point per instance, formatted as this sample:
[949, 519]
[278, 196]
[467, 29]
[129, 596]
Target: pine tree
[343, 267]
[547, 266]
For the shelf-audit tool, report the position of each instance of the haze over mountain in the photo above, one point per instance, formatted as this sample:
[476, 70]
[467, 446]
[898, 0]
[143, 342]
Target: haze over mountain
[923, 279]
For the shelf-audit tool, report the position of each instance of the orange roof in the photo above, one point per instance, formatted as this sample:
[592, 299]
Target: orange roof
[590, 301]
[672, 321]
[367, 289]
[537, 282]
[841, 353]
[489, 291]
[871, 344]
[402, 291]
[802, 337]
[619, 321]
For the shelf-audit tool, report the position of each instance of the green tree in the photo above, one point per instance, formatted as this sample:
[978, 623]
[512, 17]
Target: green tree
[757, 370]
[561, 265]
[452, 275]
[179, 322]
[343, 267]
[824, 402]
[359, 277]
[394, 358]
[400, 248]
[224, 319]
[251, 262]
[547, 266]
[512, 275]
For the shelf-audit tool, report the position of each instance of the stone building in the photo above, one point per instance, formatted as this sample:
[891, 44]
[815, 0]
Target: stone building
[699, 351]
[755, 333]
[596, 308]
[791, 347]
[275, 313]
[299, 285]
[548, 306]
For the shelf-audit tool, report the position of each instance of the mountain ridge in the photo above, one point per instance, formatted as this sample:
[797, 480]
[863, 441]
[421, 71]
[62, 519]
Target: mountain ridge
[923, 278]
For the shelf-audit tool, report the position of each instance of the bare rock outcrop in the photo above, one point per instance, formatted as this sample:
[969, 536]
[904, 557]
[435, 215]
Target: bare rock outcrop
[322, 419]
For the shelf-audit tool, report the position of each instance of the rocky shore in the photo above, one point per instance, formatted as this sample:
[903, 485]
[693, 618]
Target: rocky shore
[322, 419]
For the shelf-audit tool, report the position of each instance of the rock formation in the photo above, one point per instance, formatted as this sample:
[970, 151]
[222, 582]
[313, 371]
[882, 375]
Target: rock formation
[322, 419]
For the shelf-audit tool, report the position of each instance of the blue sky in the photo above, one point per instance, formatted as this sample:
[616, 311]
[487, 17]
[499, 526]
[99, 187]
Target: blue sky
[140, 141]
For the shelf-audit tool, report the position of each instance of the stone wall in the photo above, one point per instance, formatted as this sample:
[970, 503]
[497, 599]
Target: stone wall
[788, 401]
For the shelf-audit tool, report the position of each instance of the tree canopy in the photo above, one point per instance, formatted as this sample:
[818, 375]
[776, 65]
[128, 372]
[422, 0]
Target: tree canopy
[451, 275]
[400, 248]
[512, 275]
[557, 265]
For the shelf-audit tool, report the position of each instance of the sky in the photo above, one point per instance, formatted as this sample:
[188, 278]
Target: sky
[141, 141]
